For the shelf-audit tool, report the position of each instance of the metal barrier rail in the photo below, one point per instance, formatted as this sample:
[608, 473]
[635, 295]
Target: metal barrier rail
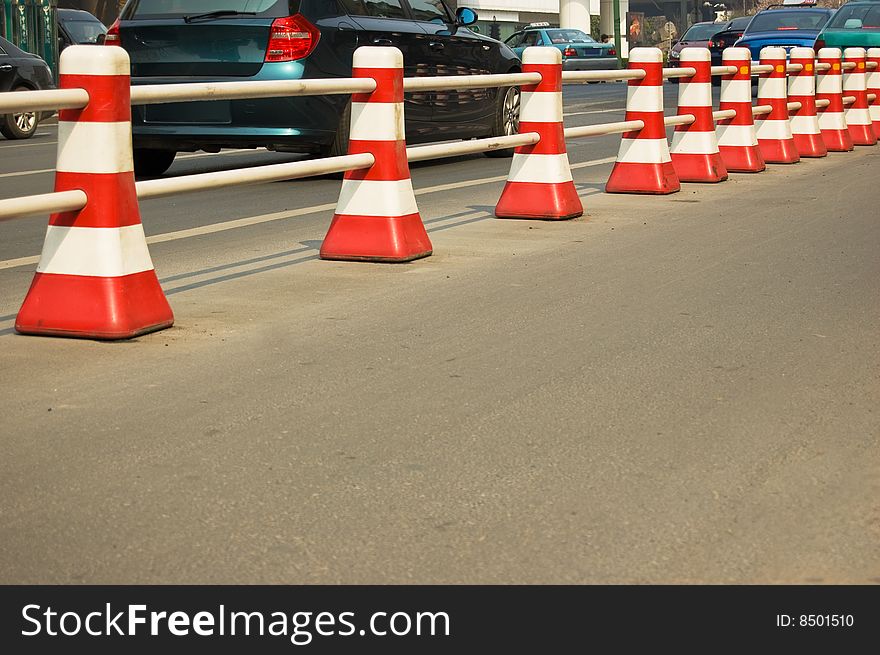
[602, 129]
[600, 76]
[454, 149]
[45, 100]
[154, 94]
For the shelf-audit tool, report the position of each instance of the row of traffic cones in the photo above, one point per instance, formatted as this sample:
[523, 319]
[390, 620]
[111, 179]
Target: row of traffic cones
[95, 278]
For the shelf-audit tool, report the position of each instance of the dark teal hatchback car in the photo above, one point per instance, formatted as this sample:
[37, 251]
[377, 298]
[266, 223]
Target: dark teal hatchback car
[171, 41]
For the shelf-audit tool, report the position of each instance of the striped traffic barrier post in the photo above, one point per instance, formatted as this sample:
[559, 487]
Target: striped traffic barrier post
[858, 117]
[644, 164]
[95, 278]
[829, 86]
[805, 121]
[376, 217]
[873, 85]
[737, 140]
[694, 148]
[539, 185]
[872, 82]
[773, 130]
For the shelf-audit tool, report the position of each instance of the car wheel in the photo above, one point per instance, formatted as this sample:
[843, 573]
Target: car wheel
[152, 163]
[506, 118]
[21, 125]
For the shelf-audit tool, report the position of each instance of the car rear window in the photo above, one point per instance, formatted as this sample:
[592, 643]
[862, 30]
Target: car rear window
[177, 8]
[702, 32]
[799, 19]
[857, 17]
[568, 36]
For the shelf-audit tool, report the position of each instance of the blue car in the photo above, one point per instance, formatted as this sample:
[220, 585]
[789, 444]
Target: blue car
[784, 26]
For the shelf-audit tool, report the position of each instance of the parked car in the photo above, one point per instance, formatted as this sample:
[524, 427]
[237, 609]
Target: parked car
[296, 39]
[784, 26]
[697, 35]
[855, 24]
[77, 27]
[579, 50]
[21, 71]
[726, 37]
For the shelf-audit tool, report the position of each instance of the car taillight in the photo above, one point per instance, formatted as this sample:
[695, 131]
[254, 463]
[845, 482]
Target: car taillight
[712, 44]
[820, 43]
[612, 52]
[570, 52]
[112, 35]
[291, 38]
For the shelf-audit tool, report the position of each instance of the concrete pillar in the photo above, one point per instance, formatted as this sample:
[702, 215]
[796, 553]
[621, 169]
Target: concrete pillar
[606, 22]
[575, 13]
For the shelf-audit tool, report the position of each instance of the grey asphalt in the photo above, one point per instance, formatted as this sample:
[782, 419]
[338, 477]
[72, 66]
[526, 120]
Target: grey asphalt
[668, 389]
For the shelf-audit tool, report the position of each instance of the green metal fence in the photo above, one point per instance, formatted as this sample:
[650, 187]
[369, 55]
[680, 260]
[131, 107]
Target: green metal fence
[32, 26]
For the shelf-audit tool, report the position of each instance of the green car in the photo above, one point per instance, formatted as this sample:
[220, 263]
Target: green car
[855, 24]
[580, 52]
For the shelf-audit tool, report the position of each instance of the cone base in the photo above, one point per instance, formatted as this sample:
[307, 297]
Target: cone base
[742, 159]
[862, 135]
[699, 168]
[778, 151]
[106, 308]
[552, 201]
[837, 140]
[654, 179]
[810, 145]
[876, 127]
[393, 239]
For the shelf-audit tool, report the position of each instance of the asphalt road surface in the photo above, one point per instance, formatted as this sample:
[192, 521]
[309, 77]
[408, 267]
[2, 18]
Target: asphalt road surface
[668, 389]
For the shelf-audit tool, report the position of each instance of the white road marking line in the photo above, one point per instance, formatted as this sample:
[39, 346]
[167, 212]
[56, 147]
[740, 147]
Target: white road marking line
[594, 111]
[21, 173]
[303, 211]
[29, 145]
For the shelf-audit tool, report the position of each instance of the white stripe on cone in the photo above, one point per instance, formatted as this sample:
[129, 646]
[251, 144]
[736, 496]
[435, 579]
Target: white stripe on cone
[693, 143]
[772, 88]
[377, 198]
[736, 135]
[644, 98]
[736, 90]
[773, 129]
[376, 121]
[801, 85]
[858, 117]
[540, 107]
[643, 151]
[694, 94]
[539, 168]
[828, 84]
[94, 147]
[804, 125]
[94, 61]
[832, 121]
[95, 251]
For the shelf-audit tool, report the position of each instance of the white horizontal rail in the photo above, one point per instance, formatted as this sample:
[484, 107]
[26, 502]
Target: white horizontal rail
[441, 82]
[872, 97]
[724, 113]
[821, 104]
[723, 70]
[760, 110]
[848, 100]
[684, 71]
[603, 129]
[761, 68]
[871, 64]
[440, 150]
[153, 94]
[848, 65]
[49, 99]
[684, 119]
[238, 177]
[794, 68]
[823, 66]
[45, 203]
[794, 106]
[598, 76]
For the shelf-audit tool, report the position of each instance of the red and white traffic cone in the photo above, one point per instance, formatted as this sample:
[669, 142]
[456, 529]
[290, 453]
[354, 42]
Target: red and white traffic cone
[540, 184]
[829, 86]
[694, 149]
[643, 162]
[737, 141]
[95, 278]
[858, 118]
[873, 84]
[377, 219]
[773, 130]
[805, 121]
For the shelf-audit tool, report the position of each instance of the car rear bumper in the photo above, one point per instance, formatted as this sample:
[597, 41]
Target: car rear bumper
[592, 64]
